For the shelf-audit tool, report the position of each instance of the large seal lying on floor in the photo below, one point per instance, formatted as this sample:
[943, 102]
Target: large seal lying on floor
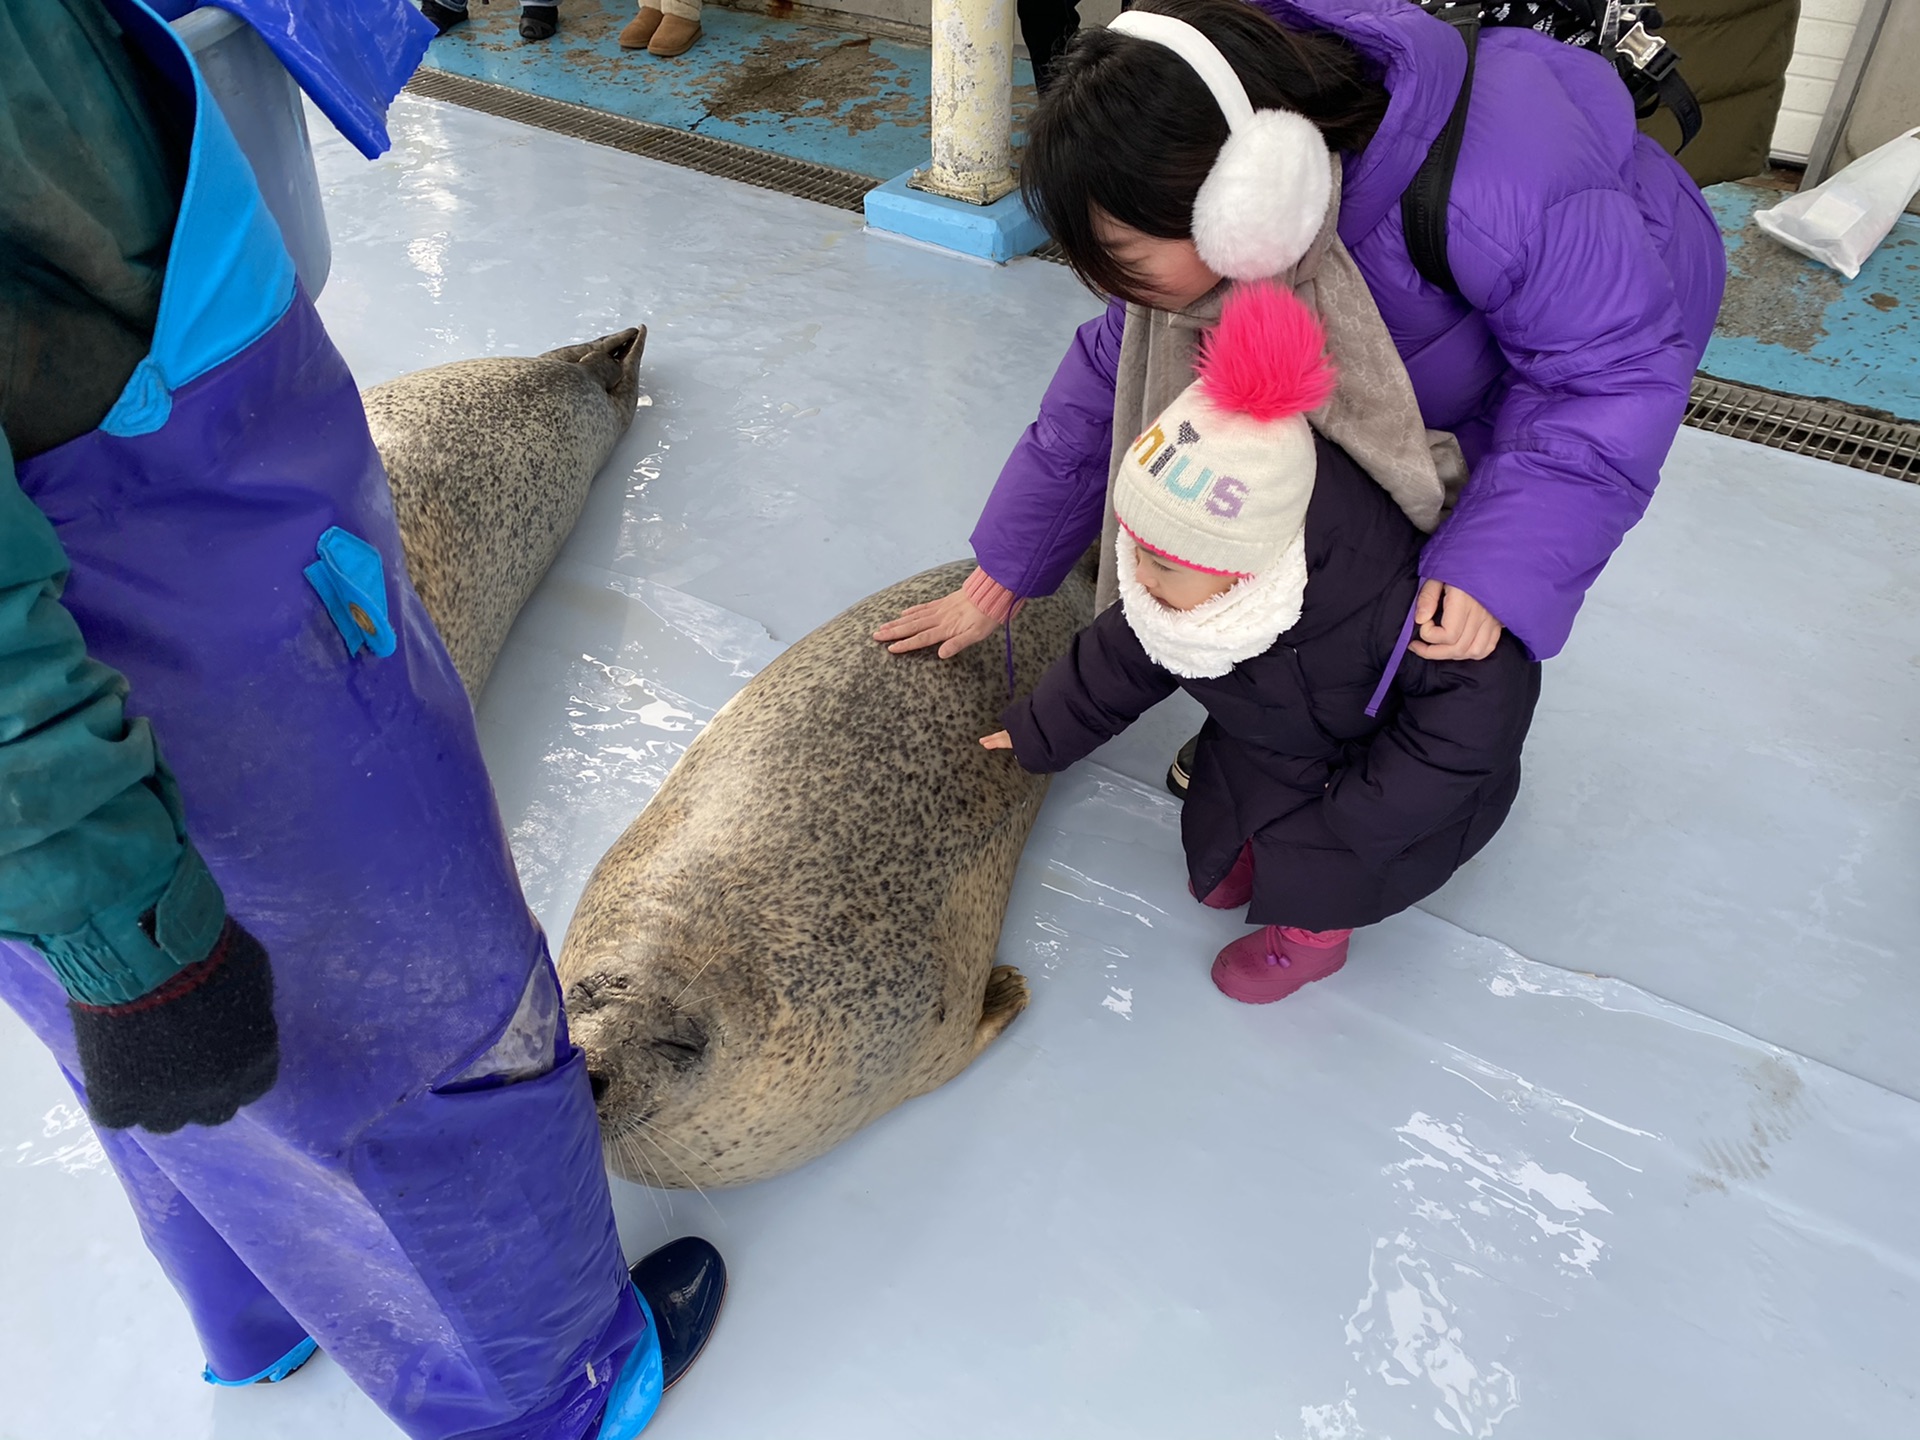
[798, 932]
[490, 461]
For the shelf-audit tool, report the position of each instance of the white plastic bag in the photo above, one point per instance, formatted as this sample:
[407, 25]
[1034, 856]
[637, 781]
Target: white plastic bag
[1842, 219]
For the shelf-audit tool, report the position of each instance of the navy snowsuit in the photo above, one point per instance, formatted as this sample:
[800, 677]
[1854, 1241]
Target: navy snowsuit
[1352, 818]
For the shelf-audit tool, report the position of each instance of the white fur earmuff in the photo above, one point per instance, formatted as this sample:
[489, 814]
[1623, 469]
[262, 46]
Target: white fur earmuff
[1263, 202]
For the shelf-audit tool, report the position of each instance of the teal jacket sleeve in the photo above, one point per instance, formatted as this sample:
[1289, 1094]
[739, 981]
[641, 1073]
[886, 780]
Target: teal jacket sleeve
[96, 870]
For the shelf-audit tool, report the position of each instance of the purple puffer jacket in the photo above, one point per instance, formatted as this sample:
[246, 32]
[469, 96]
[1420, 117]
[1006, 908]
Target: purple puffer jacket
[1590, 271]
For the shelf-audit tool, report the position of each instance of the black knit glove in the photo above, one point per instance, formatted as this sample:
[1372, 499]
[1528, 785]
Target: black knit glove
[189, 1053]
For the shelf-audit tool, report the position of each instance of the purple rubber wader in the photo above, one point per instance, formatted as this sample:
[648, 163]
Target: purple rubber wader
[453, 1250]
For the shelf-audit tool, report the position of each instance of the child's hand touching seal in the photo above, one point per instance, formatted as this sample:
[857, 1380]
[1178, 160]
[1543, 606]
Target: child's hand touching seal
[999, 740]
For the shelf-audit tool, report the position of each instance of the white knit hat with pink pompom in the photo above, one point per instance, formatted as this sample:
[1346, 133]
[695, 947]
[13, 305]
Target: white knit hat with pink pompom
[1221, 480]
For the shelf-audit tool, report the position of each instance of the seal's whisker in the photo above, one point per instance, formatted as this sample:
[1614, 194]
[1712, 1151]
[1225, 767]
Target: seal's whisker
[668, 1157]
[669, 1189]
[657, 1180]
[696, 975]
[683, 1172]
[660, 1133]
[651, 1177]
[647, 1179]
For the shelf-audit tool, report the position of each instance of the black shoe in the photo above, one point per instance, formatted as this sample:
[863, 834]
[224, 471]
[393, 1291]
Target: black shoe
[1181, 771]
[444, 17]
[684, 1282]
[538, 22]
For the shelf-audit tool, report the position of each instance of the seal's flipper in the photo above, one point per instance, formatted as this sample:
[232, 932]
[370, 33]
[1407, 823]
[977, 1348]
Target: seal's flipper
[614, 363]
[632, 340]
[1007, 996]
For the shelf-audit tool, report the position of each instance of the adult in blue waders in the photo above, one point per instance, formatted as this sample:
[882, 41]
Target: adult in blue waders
[256, 895]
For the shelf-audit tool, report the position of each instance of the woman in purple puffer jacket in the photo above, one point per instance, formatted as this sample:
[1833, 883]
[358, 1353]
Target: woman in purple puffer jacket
[1589, 266]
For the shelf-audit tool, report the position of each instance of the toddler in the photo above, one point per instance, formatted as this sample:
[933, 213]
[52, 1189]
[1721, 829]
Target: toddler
[1339, 779]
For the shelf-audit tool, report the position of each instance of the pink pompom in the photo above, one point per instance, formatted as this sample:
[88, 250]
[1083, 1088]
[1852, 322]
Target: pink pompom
[1267, 357]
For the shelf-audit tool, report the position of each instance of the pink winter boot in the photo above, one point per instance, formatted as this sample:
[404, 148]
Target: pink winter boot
[1234, 891]
[1271, 964]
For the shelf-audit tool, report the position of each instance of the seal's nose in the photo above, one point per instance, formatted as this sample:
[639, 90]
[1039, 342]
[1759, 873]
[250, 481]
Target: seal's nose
[599, 1083]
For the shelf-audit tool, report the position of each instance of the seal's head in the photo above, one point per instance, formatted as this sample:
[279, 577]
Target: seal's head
[676, 1038]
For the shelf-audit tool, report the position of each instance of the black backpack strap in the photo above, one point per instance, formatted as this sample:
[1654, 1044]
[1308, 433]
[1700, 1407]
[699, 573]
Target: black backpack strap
[1651, 69]
[1678, 97]
[1423, 205]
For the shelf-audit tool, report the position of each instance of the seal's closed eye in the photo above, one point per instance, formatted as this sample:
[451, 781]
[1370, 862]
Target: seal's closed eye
[682, 1048]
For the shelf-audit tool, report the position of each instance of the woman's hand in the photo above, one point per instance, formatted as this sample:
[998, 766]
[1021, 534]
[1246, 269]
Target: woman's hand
[952, 622]
[1468, 631]
[999, 740]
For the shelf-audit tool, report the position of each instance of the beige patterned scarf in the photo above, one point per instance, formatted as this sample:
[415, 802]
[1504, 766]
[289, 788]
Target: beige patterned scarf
[1373, 415]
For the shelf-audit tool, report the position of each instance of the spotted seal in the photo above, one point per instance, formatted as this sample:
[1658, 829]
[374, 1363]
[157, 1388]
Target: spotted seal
[797, 933]
[490, 461]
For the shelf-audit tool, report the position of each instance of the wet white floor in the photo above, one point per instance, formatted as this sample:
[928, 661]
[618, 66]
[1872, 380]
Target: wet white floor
[1618, 1137]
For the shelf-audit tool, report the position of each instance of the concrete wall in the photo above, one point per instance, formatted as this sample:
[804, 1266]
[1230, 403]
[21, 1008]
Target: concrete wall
[1888, 101]
[1819, 47]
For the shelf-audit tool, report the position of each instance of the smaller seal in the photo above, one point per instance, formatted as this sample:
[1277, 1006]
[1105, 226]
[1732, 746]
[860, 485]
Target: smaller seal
[490, 462]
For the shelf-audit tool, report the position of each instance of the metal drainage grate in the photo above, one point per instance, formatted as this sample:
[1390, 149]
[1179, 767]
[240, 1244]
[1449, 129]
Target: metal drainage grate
[1862, 440]
[1859, 439]
[842, 189]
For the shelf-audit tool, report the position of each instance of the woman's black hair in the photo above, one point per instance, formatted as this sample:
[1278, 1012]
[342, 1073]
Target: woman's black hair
[1128, 129]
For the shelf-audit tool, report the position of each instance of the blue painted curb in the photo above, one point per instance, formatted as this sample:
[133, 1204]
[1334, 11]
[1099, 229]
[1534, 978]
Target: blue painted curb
[996, 232]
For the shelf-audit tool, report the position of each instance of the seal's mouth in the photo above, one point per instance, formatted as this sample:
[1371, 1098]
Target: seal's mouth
[605, 1103]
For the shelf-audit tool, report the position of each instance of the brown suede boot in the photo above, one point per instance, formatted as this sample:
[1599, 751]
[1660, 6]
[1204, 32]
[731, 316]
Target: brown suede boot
[674, 37]
[640, 29]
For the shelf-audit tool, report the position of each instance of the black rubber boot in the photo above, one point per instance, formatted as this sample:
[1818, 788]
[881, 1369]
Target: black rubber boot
[444, 17]
[1181, 771]
[684, 1282]
[539, 22]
